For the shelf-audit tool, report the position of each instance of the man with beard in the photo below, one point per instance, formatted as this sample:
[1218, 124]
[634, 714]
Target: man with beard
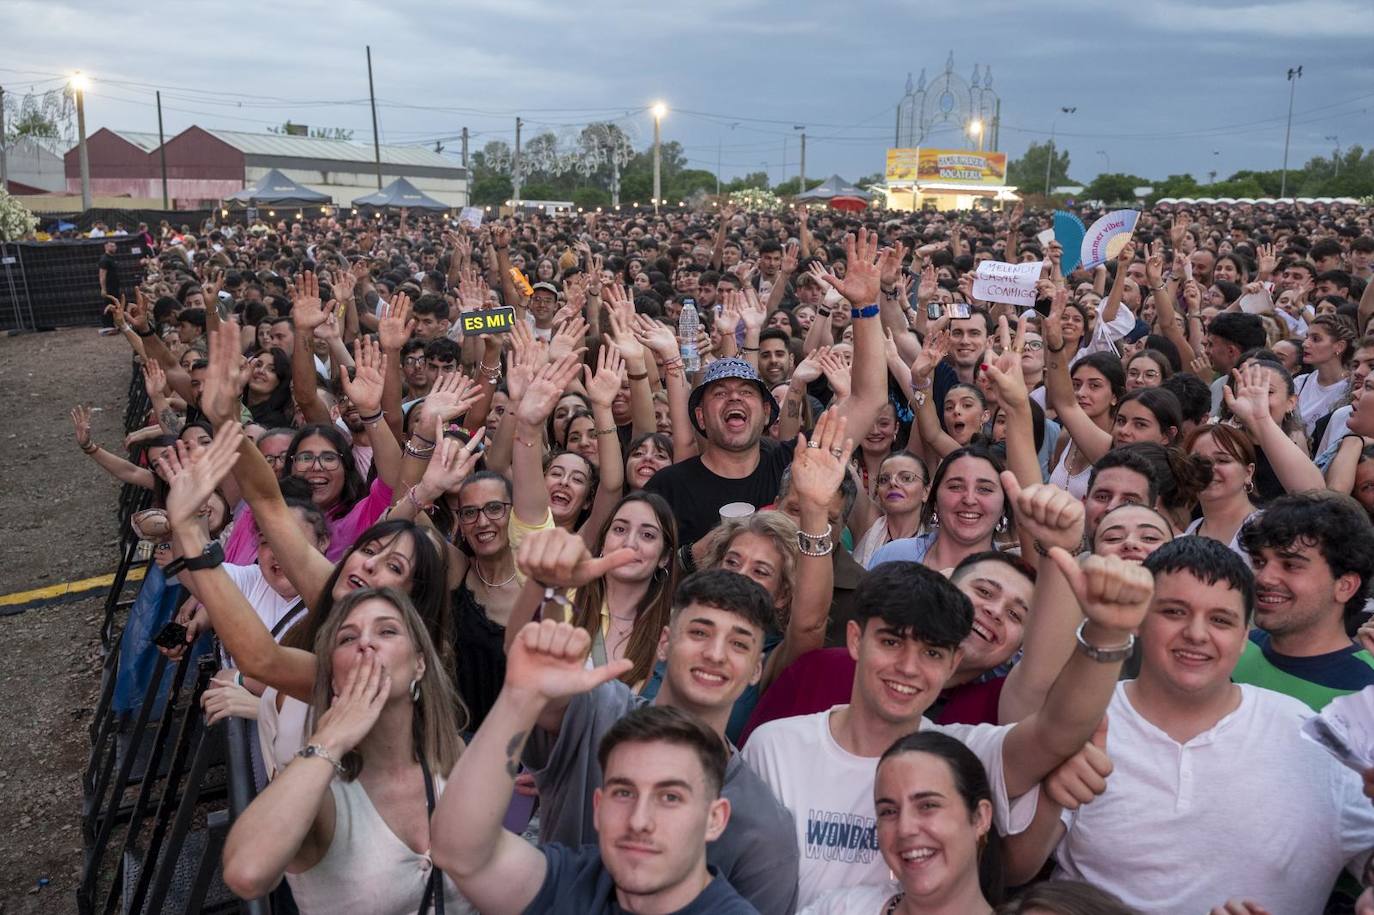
[732, 407]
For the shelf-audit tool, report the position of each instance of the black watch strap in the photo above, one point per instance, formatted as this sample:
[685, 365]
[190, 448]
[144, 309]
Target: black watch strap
[144, 333]
[211, 556]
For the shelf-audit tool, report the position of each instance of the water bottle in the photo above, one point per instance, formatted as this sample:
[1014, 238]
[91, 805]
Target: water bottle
[687, 326]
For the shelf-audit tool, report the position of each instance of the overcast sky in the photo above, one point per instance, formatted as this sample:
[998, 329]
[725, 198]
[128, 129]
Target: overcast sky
[1160, 86]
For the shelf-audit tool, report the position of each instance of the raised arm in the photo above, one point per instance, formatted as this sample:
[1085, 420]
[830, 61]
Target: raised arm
[660, 339]
[1010, 383]
[1113, 303]
[394, 328]
[1340, 473]
[307, 313]
[818, 467]
[1249, 403]
[497, 871]
[1047, 516]
[304, 566]
[727, 213]
[1092, 440]
[1115, 595]
[191, 481]
[117, 467]
[531, 415]
[928, 427]
[636, 365]
[860, 287]
[366, 391]
[1166, 310]
[602, 386]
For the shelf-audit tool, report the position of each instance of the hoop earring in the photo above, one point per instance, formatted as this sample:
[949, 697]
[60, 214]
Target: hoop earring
[415, 690]
[1001, 525]
[934, 518]
[1250, 487]
[660, 573]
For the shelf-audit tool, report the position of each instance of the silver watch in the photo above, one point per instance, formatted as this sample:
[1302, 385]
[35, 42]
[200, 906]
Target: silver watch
[1109, 655]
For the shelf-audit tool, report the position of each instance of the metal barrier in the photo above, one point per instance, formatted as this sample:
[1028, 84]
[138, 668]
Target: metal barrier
[57, 283]
[161, 789]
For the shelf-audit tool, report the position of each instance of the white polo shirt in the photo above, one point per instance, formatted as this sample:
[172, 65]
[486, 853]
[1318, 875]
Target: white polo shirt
[1247, 810]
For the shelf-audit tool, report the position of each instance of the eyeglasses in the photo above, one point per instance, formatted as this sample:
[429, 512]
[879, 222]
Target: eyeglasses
[412, 362]
[495, 511]
[304, 460]
[275, 460]
[1147, 375]
[904, 478]
[1034, 345]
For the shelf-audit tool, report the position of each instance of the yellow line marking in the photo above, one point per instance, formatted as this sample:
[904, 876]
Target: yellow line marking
[68, 587]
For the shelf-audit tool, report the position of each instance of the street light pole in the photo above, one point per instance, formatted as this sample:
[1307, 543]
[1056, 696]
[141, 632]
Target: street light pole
[660, 110]
[79, 84]
[1294, 74]
[1049, 160]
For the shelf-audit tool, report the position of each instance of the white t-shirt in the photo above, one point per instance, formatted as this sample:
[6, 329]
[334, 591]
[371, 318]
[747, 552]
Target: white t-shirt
[829, 792]
[855, 900]
[1247, 810]
[1315, 401]
[270, 605]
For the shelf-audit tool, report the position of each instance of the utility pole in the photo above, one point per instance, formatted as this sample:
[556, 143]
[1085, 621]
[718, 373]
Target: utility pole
[1294, 74]
[1049, 160]
[4, 166]
[465, 148]
[515, 167]
[801, 186]
[1335, 157]
[372, 97]
[162, 152]
[718, 159]
[79, 84]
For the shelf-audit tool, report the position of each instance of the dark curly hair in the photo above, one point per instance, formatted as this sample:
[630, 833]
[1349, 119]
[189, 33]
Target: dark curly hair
[1335, 524]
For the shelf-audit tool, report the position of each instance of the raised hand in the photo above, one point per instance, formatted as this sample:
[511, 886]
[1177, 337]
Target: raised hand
[154, 379]
[809, 369]
[1192, 296]
[1113, 593]
[365, 389]
[728, 319]
[1008, 378]
[307, 311]
[571, 334]
[1201, 366]
[1053, 325]
[936, 348]
[225, 699]
[548, 660]
[453, 395]
[605, 383]
[1126, 255]
[819, 465]
[191, 480]
[861, 278]
[527, 356]
[1046, 512]
[1154, 269]
[1268, 260]
[226, 375]
[752, 311]
[623, 337]
[451, 464]
[657, 336]
[81, 423]
[1249, 402]
[544, 389]
[559, 558]
[344, 284]
[926, 290]
[837, 374]
[1082, 777]
[356, 706]
[790, 253]
[891, 266]
[395, 325]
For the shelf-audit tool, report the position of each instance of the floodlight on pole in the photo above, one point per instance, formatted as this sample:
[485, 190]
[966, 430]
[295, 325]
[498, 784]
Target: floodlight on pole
[79, 84]
[975, 130]
[659, 110]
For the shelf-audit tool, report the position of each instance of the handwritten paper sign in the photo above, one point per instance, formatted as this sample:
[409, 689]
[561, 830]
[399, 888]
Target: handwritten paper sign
[489, 321]
[1010, 283]
[472, 216]
[1106, 237]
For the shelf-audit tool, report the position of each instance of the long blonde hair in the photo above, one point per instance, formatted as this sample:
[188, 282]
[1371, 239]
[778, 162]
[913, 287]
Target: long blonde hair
[439, 713]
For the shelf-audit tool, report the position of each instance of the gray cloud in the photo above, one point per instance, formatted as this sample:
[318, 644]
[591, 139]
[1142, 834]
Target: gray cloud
[1161, 87]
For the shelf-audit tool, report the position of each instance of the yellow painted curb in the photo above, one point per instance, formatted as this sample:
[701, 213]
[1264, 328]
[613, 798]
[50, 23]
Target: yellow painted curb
[65, 588]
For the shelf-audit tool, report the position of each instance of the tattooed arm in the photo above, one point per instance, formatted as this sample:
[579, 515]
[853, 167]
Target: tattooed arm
[496, 870]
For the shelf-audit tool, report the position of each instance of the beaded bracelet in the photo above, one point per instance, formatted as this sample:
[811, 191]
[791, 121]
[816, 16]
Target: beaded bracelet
[867, 311]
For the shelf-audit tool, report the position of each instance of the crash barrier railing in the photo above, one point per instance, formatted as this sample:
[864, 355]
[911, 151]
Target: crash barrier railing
[161, 789]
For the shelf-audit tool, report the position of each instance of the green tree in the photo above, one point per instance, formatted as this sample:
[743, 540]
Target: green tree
[1028, 172]
[1114, 187]
[792, 186]
[1177, 186]
[757, 180]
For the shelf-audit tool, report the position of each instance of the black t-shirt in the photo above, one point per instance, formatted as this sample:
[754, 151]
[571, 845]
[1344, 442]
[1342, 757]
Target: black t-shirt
[696, 494]
[577, 883]
[111, 268]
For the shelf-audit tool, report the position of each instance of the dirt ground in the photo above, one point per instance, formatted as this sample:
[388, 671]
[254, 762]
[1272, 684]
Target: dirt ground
[59, 511]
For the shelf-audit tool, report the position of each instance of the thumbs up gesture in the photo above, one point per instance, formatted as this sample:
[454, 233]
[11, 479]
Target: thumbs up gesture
[1082, 777]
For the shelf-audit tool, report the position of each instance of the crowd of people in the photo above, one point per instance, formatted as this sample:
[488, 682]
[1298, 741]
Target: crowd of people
[752, 564]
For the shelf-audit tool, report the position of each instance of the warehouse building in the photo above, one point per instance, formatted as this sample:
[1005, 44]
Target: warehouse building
[206, 166]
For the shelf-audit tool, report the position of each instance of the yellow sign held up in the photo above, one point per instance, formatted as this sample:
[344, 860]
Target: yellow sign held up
[489, 321]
